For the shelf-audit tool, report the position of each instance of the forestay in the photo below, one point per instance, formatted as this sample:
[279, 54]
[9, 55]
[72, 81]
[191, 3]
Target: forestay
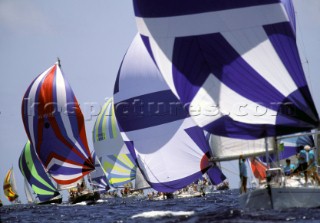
[234, 64]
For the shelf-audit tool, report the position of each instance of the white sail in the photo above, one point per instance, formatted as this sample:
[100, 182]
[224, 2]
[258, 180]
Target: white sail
[140, 182]
[224, 148]
[69, 186]
[28, 192]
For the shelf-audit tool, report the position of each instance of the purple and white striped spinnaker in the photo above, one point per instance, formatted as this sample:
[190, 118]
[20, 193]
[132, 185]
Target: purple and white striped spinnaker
[169, 148]
[233, 64]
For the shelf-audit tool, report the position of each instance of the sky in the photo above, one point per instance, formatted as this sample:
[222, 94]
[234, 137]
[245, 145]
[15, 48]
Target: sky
[90, 38]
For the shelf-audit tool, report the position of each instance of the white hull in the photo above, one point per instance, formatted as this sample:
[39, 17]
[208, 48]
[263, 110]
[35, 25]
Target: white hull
[281, 198]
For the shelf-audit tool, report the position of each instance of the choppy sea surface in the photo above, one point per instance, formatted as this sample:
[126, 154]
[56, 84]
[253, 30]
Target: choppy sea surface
[216, 207]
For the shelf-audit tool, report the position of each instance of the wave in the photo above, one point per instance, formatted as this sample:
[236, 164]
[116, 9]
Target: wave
[158, 214]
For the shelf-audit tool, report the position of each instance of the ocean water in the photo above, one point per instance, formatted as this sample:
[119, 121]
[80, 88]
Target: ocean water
[217, 207]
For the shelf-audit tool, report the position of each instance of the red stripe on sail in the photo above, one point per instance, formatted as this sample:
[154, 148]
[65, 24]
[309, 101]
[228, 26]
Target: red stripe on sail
[6, 186]
[63, 159]
[45, 107]
[82, 133]
[204, 163]
[64, 182]
[82, 130]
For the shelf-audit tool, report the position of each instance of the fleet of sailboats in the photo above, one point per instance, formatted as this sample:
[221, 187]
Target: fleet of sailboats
[189, 94]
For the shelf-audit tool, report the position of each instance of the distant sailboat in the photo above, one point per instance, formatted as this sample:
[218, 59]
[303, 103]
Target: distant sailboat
[10, 188]
[110, 148]
[36, 176]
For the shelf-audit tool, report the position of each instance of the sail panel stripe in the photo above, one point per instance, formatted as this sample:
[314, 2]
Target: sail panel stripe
[167, 8]
[221, 21]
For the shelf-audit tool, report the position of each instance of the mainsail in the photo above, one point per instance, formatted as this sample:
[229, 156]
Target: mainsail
[55, 127]
[140, 183]
[110, 149]
[225, 148]
[9, 186]
[28, 192]
[35, 174]
[170, 150]
[234, 64]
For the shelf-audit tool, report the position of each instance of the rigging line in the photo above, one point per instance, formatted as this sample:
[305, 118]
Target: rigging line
[303, 49]
[230, 171]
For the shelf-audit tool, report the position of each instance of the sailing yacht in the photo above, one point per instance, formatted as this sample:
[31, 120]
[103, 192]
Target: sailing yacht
[236, 67]
[37, 178]
[110, 149]
[112, 154]
[279, 191]
[167, 146]
[55, 128]
[10, 188]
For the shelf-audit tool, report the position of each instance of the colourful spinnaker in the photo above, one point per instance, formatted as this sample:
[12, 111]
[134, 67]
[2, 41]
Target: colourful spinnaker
[170, 150]
[233, 64]
[33, 171]
[258, 168]
[110, 149]
[9, 187]
[55, 127]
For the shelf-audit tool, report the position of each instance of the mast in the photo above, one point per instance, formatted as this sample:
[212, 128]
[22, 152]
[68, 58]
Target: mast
[317, 145]
[276, 152]
[267, 151]
[58, 61]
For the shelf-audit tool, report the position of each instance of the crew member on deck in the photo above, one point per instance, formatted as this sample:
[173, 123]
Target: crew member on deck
[243, 174]
[302, 164]
[312, 165]
[288, 168]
